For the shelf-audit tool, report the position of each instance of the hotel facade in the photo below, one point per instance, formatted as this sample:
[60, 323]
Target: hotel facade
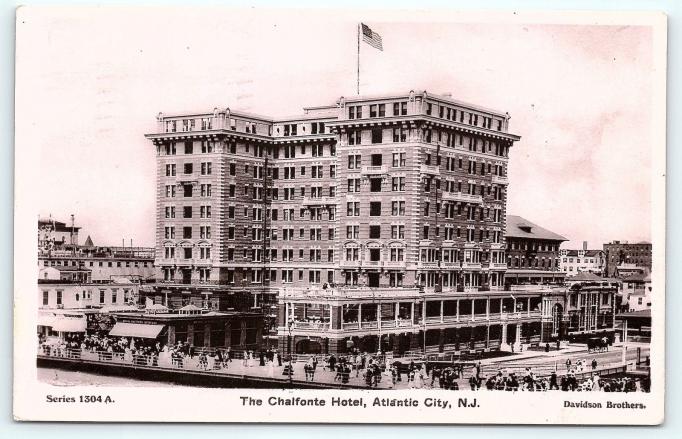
[373, 222]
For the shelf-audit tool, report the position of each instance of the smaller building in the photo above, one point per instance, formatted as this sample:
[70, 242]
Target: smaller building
[235, 330]
[573, 262]
[65, 274]
[532, 253]
[636, 292]
[66, 294]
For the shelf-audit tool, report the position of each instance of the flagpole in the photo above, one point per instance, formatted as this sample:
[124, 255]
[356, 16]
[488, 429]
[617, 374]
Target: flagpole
[358, 60]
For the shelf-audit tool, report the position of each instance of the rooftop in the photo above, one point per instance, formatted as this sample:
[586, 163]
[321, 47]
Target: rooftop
[519, 227]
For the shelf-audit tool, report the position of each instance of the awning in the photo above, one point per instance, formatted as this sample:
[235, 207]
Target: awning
[46, 320]
[136, 330]
[69, 325]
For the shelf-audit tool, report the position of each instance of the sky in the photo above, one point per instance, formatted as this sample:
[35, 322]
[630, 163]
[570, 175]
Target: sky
[91, 82]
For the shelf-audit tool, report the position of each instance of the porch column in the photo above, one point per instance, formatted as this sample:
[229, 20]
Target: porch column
[412, 313]
[487, 310]
[458, 310]
[330, 317]
[504, 334]
[528, 307]
[228, 334]
[359, 315]
[473, 306]
[207, 335]
[397, 310]
[441, 311]
[487, 337]
[190, 333]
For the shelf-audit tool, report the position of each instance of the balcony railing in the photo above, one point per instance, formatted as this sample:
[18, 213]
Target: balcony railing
[471, 265]
[429, 169]
[500, 179]
[394, 264]
[318, 201]
[498, 265]
[314, 326]
[353, 264]
[462, 197]
[381, 169]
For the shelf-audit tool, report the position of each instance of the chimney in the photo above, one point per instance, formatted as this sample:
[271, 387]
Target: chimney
[585, 245]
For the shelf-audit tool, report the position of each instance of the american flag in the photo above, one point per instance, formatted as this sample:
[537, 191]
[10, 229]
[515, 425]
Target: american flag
[370, 37]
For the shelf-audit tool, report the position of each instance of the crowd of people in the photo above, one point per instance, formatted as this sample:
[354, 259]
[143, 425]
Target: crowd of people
[359, 367]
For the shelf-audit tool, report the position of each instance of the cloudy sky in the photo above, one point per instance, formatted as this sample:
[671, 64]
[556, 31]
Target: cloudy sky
[92, 82]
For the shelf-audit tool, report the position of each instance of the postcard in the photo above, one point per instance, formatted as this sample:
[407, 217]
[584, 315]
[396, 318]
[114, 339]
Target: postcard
[337, 215]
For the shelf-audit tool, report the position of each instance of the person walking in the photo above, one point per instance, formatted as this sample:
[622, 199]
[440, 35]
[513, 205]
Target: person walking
[594, 363]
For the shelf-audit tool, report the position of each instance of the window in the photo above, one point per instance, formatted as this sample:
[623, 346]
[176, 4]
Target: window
[170, 170]
[397, 208]
[376, 159]
[375, 208]
[377, 135]
[188, 168]
[354, 161]
[206, 168]
[398, 184]
[206, 146]
[186, 190]
[399, 135]
[187, 212]
[374, 184]
[189, 147]
[205, 190]
[355, 137]
[353, 208]
[375, 232]
[46, 298]
[187, 232]
[398, 159]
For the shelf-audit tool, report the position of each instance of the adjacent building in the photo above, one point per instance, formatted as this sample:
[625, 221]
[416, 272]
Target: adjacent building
[622, 252]
[573, 262]
[532, 253]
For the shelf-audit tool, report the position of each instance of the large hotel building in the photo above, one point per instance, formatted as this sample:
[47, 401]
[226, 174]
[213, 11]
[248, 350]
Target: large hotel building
[374, 222]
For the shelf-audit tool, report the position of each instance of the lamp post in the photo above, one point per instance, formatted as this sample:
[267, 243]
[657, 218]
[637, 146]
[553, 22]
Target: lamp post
[290, 325]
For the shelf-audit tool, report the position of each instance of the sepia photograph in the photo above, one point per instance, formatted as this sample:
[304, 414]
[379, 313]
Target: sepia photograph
[368, 214]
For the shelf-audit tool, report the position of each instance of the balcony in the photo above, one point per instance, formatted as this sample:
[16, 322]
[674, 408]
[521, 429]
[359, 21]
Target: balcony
[318, 201]
[471, 265]
[498, 265]
[350, 264]
[429, 169]
[471, 289]
[461, 197]
[371, 264]
[374, 170]
[311, 326]
[500, 179]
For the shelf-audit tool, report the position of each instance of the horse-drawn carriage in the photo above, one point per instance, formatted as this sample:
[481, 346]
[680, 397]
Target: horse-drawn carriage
[598, 344]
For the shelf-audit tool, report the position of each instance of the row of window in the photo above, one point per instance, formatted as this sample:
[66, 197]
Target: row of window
[73, 263]
[461, 116]
[206, 168]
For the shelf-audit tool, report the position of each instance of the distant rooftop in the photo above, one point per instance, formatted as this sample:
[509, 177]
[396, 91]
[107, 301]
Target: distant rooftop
[519, 227]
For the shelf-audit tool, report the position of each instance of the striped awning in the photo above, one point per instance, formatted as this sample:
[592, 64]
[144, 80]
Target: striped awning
[136, 330]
